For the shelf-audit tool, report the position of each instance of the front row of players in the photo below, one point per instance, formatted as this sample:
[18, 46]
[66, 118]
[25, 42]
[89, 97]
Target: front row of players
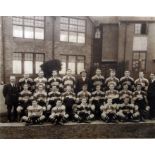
[59, 108]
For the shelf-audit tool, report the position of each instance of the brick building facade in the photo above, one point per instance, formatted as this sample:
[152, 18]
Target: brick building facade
[79, 42]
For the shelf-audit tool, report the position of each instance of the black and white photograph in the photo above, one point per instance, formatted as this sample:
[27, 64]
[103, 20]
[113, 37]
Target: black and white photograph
[77, 77]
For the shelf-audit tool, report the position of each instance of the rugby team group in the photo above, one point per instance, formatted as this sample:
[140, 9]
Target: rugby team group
[61, 99]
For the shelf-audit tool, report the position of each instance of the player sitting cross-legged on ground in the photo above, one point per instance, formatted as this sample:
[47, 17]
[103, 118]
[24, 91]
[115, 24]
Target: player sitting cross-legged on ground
[127, 111]
[108, 111]
[35, 114]
[83, 112]
[58, 114]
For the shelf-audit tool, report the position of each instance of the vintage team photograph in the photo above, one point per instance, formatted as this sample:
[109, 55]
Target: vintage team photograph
[77, 77]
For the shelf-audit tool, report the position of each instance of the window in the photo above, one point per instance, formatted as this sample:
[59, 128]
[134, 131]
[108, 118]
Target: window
[141, 28]
[139, 60]
[140, 43]
[97, 34]
[75, 63]
[27, 62]
[17, 63]
[30, 27]
[72, 30]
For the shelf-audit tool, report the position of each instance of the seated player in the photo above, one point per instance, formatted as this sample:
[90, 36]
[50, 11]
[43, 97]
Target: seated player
[26, 80]
[84, 93]
[109, 111]
[128, 80]
[83, 112]
[143, 81]
[140, 99]
[125, 92]
[35, 114]
[68, 80]
[127, 111]
[58, 113]
[68, 98]
[41, 96]
[40, 80]
[98, 79]
[55, 80]
[25, 98]
[112, 78]
[97, 100]
[53, 97]
[112, 93]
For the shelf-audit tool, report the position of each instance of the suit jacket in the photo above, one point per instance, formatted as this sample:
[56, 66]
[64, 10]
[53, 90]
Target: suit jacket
[81, 82]
[151, 90]
[11, 94]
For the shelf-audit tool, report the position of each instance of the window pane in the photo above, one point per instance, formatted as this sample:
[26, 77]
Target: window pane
[136, 55]
[138, 28]
[17, 67]
[28, 32]
[64, 26]
[30, 17]
[63, 67]
[81, 29]
[72, 27]
[71, 63]
[18, 21]
[39, 17]
[28, 22]
[40, 57]
[64, 20]
[37, 66]
[28, 56]
[17, 56]
[73, 21]
[140, 43]
[143, 65]
[17, 31]
[28, 67]
[72, 37]
[39, 33]
[39, 23]
[81, 22]
[63, 36]
[81, 38]
[142, 56]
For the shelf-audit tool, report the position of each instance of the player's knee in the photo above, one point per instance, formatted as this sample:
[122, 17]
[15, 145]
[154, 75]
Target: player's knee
[49, 107]
[19, 109]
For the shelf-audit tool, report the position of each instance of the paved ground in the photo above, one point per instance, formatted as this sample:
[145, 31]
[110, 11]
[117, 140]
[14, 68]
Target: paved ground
[96, 129]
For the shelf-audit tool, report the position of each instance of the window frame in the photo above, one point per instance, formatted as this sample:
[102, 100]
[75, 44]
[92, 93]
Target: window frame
[76, 60]
[141, 28]
[34, 27]
[68, 30]
[33, 62]
[139, 68]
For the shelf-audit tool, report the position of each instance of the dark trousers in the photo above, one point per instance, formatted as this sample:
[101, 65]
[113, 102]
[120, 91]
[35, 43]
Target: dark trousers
[152, 107]
[9, 111]
[69, 104]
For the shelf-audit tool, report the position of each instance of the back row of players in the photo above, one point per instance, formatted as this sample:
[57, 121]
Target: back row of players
[60, 99]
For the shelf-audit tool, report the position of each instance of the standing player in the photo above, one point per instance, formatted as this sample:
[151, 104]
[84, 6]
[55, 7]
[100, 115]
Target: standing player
[40, 80]
[128, 80]
[26, 80]
[25, 98]
[98, 79]
[142, 81]
[69, 80]
[55, 80]
[112, 78]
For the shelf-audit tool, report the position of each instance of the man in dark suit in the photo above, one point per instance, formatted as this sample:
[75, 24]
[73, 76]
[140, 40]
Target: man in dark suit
[82, 80]
[151, 95]
[11, 92]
